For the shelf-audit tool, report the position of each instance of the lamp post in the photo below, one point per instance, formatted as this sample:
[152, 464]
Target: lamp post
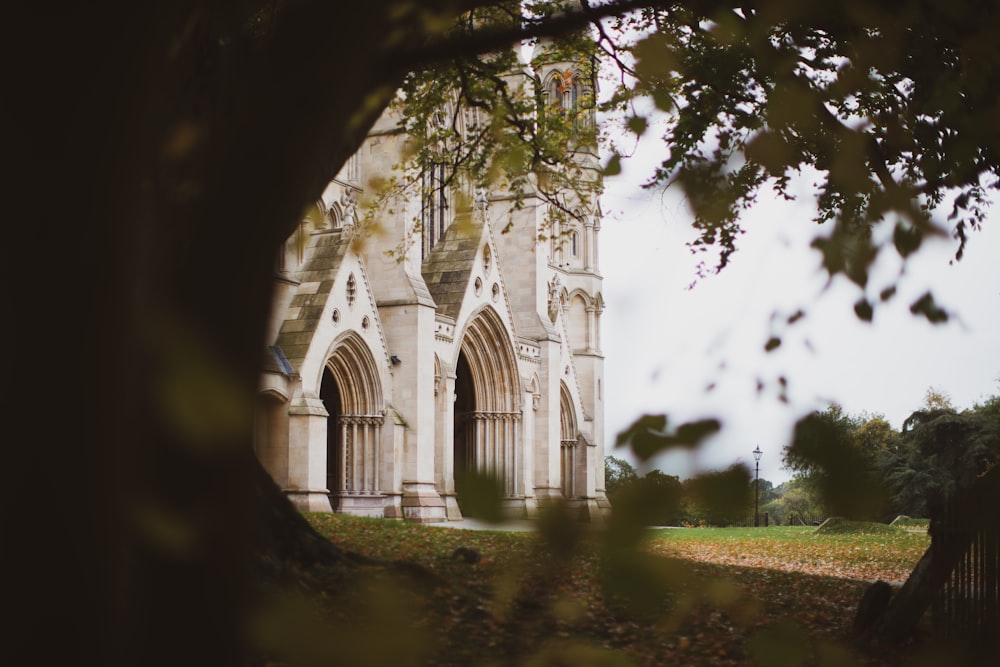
[756, 484]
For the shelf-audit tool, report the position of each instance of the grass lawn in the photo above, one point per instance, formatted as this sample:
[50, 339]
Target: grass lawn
[889, 554]
[698, 596]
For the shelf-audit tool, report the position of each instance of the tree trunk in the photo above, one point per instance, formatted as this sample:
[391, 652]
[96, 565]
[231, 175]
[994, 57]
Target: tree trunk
[159, 157]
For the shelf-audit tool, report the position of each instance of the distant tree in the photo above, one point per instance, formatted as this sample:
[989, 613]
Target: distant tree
[719, 497]
[665, 491]
[937, 399]
[653, 499]
[618, 473]
[766, 490]
[830, 457]
[794, 499]
[876, 436]
[941, 452]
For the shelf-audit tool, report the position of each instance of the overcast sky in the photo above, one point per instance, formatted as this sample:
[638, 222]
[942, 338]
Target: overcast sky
[666, 344]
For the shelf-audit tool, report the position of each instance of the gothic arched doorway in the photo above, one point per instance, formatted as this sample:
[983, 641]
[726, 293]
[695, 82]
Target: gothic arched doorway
[464, 434]
[568, 442]
[329, 393]
[487, 414]
[352, 394]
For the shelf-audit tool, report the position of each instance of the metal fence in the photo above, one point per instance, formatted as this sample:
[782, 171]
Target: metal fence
[967, 605]
[763, 521]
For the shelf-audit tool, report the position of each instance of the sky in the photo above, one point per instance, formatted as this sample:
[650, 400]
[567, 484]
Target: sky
[666, 344]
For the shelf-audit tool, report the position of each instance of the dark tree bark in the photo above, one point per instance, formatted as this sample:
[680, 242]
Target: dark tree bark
[159, 155]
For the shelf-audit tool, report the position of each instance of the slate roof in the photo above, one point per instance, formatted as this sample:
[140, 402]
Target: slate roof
[448, 266]
[316, 281]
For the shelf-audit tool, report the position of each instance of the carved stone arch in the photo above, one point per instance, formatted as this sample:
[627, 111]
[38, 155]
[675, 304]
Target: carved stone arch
[568, 442]
[438, 374]
[579, 310]
[567, 415]
[566, 90]
[335, 216]
[564, 297]
[351, 391]
[581, 295]
[487, 403]
[353, 367]
[489, 350]
[550, 88]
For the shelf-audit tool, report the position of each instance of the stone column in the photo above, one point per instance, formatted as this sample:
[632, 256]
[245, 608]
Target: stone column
[307, 419]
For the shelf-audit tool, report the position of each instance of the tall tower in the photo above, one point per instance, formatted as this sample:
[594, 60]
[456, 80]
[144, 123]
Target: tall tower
[550, 255]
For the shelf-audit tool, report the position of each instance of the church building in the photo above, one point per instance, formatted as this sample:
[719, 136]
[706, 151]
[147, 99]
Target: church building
[461, 335]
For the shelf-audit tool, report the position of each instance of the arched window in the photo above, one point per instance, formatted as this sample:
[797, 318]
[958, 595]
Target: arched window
[434, 209]
[563, 91]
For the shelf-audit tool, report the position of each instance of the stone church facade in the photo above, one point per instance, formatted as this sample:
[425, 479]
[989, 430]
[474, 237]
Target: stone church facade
[401, 359]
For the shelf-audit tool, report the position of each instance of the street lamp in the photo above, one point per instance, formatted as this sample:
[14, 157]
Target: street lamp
[756, 484]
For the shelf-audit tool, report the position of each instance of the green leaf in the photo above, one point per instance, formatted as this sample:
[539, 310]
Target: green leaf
[863, 309]
[613, 166]
[926, 306]
[480, 496]
[783, 644]
[907, 239]
[637, 125]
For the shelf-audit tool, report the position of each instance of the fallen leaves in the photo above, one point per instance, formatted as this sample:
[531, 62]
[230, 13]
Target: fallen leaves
[692, 597]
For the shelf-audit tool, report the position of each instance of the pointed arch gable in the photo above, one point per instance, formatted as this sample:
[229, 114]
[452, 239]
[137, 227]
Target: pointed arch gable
[489, 349]
[577, 319]
[567, 415]
[353, 366]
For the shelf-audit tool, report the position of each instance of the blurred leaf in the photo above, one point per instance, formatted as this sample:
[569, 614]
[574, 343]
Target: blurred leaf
[906, 238]
[648, 436]
[926, 306]
[637, 125]
[655, 57]
[773, 343]
[771, 151]
[863, 309]
[643, 423]
[783, 644]
[824, 447]
[559, 653]
[480, 496]
[613, 166]
[724, 495]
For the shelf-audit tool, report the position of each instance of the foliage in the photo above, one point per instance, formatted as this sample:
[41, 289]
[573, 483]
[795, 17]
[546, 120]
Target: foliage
[794, 502]
[941, 452]
[765, 489]
[838, 465]
[937, 399]
[618, 473]
[720, 497]
[653, 499]
[864, 94]
[650, 435]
